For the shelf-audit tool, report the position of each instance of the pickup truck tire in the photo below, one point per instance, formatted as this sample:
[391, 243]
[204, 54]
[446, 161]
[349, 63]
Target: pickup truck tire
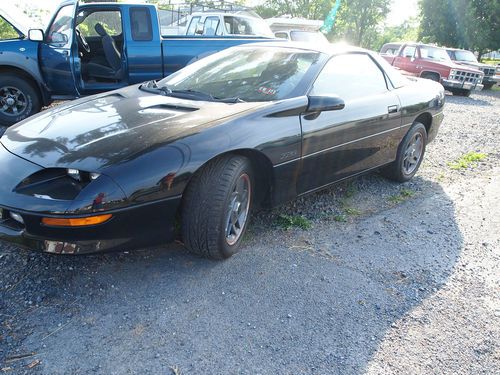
[488, 86]
[216, 207]
[410, 154]
[18, 99]
[432, 76]
[461, 92]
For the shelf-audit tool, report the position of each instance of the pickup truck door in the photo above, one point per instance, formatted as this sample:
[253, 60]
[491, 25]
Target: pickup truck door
[365, 134]
[56, 52]
[406, 59]
[142, 43]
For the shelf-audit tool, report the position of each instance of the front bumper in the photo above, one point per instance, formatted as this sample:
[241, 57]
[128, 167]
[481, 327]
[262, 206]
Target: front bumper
[138, 226]
[453, 84]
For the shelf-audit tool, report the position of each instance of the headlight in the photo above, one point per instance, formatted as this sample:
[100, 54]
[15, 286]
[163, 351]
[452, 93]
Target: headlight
[452, 72]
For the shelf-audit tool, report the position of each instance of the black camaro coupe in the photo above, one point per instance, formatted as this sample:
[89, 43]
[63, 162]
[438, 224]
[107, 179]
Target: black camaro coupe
[252, 125]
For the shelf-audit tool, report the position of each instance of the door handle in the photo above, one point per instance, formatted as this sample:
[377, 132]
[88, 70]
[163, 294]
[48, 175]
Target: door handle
[393, 109]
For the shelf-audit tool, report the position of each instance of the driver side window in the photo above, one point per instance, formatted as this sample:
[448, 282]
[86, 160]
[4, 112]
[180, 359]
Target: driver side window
[61, 30]
[110, 20]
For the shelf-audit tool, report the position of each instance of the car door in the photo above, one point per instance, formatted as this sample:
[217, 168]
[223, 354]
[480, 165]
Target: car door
[361, 136]
[56, 53]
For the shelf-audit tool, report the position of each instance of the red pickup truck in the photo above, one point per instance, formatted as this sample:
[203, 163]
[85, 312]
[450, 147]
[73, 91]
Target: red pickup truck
[427, 61]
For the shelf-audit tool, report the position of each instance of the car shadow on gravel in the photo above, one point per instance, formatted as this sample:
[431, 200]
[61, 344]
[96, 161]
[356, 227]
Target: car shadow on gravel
[316, 301]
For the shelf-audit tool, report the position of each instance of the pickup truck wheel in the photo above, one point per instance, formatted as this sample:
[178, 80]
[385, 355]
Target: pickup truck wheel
[432, 76]
[410, 154]
[487, 86]
[216, 207]
[18, 99]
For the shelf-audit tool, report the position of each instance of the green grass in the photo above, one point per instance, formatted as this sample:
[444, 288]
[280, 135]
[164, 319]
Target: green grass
[467, 160]
[297, 221]
[352, 211]
[403, 195]
[340, 218]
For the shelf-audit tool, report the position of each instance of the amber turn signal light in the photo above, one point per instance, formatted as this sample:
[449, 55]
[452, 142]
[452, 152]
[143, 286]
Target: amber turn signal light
[75, 222]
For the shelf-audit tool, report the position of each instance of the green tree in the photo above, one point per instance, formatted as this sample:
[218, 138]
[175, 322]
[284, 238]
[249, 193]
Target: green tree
[468, 24]
[358, 21]
[309, 9]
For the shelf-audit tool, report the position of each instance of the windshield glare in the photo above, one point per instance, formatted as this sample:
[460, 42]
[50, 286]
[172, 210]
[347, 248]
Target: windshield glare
[308, 36]
[434, 54]
[465, 56]
[250, 74]
[246, 26]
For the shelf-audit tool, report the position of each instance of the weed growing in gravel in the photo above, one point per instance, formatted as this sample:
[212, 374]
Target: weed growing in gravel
[297, 221]
[466, 160]
[340, 218]
[352, 211]
[350, 190]
[401, 196]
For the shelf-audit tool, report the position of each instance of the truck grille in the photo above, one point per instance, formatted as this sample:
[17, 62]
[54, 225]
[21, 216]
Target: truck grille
[488, 72]
[467, 77]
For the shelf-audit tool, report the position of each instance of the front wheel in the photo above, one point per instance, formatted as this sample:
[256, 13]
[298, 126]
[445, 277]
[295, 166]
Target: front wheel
[410, 154]
[18, 99]
[216, 207]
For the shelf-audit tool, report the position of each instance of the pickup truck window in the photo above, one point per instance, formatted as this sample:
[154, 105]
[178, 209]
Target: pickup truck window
[434, 53]
[7, 31]
[60, 32]
[192, 25]
[467, 56]
[110, 19]
[349, 75]
[142, 30]
[210, 26]
[245, 26]
[409, 51]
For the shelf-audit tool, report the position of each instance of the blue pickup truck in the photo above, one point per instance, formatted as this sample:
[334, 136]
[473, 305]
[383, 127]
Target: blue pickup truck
[90, 48]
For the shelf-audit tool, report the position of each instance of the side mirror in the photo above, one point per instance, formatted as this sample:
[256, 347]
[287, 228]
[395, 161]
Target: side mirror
[35, 35]
[59, 38]
[325, 103]
[200, 28]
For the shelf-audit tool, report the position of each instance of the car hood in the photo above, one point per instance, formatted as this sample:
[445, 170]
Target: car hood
[475, 65]
[94, 133]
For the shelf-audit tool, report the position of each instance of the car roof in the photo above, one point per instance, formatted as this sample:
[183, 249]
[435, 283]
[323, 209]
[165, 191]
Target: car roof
[328, 49]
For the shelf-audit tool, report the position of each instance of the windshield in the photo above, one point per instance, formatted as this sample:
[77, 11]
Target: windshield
[465, 56]
[434, 53]
[247, 74]
[235, 25]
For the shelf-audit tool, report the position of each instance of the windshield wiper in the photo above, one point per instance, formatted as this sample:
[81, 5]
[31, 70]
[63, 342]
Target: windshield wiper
[153, 87]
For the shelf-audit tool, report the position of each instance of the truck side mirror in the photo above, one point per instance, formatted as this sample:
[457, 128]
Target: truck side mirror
[200, 28]
[35, 35]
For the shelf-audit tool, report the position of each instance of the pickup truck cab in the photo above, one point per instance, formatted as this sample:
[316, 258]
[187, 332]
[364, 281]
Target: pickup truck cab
[227, 24]
[431, 62]
[90, 48]
[467, 58]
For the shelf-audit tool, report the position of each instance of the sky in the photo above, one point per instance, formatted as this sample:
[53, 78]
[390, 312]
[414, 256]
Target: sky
[400, 9]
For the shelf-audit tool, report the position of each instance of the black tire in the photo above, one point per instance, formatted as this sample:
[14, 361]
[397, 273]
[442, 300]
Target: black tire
[488, 86]
[432, 76]
[461, 92]
[206, 207]
[396, 171]
[26, 93]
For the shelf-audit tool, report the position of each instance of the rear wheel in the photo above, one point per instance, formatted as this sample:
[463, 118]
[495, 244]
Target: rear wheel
[18, 99]
[216, 207]
[410, 154]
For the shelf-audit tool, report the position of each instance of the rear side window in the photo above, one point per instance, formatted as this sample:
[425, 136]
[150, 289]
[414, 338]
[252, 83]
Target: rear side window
[140, 21]
[350, 76]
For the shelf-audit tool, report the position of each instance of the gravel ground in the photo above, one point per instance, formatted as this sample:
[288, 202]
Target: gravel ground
[389, 279]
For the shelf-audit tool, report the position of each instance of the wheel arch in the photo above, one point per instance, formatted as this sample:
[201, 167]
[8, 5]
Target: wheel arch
[262, 168]
[42, 92]
[425, 119]
[431, 72]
